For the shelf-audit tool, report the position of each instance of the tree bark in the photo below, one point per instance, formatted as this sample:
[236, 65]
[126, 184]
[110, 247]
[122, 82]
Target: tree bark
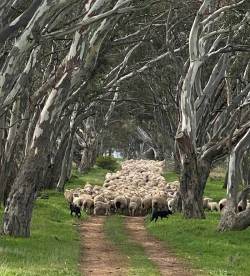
[191, 189]
[18, 211]
[64, 168]
[230, 219]
[194, 174]
[88, 158]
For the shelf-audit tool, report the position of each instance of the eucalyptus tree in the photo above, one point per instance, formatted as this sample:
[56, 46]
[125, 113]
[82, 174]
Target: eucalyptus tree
[210, 123]
[62, 87]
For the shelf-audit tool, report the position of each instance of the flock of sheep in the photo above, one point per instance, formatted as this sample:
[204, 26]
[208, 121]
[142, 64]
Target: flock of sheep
[134, 190]
[209, 204]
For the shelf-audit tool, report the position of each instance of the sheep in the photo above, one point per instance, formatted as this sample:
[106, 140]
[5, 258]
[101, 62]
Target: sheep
[99, 198]
[147, 204]
[242, 205]
[134, 205]
[101, 208]
[222, 203]
[137, 178]
[88, 205]
[121, 203]
[112, 206]
[159, 203]
[171, 204]
[78, 201]
[205, 201]
[68, 194]
[213, 206]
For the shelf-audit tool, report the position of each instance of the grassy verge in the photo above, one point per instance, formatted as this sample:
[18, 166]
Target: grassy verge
[198, 241]
[52, 249]
[54, 245]
[138, 262]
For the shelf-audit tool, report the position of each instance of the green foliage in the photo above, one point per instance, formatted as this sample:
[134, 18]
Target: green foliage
[138, 262]
[107, 162]
[54, 245]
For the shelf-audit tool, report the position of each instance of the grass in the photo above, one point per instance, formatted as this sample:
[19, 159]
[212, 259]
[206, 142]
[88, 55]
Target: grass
[171, 176]
[52, 249]
[54, 246]
[94, 176]
[198, 242]
[214, 189]
[217, 254]
[139, 264]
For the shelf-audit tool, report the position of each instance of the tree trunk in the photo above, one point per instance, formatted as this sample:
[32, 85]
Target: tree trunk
[88, 157]
[54, 172]
[225, 180]
[194, 174]
[18, 211]
[230, 220]
[191, 190]
[64, 168]
[70, 162]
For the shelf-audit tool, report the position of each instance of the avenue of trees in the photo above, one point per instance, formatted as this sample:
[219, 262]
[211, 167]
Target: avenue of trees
[151, 79]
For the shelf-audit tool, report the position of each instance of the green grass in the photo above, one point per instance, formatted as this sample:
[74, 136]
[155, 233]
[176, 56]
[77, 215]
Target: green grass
[139, 264]
[171, 176]
[214, 189]
[52, 249]
[54, 245]
[198, 241]
[95, 176]
[205, 248]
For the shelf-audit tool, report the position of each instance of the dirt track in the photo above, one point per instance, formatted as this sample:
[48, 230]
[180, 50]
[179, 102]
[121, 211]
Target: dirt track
[101, 258]
[164, 259]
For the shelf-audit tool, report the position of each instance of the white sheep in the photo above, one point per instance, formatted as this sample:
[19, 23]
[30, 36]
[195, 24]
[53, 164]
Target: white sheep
[159, 202]
[222, 203]
[68, 194]
[213, 206]
[134, 205]
[121, 203]
[101, 208]
[205, 201]
[88, 205]
[147, 204]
